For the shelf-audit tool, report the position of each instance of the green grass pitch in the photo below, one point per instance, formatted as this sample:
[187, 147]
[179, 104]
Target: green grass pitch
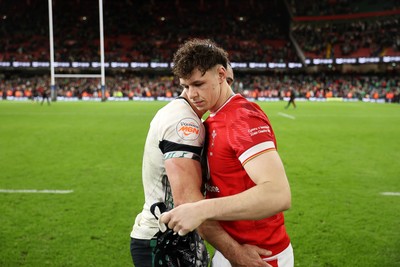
[339, 158]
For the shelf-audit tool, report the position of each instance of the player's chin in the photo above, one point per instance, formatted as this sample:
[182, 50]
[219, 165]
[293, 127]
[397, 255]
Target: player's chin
[200, 105]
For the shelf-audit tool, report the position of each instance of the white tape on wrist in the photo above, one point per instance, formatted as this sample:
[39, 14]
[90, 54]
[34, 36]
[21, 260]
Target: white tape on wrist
[162, 226]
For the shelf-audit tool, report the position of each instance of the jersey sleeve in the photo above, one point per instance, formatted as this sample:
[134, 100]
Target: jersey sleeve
[250, 133]
[181, 133]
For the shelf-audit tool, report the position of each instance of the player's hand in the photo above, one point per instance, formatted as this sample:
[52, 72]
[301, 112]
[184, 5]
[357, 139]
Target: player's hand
[249, 256]
[183, 219]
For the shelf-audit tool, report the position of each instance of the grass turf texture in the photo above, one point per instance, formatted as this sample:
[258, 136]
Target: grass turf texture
[339, 157]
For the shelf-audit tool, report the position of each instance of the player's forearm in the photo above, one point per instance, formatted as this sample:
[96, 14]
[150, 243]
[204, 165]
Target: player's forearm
[261, 201]
[188, 196]
[213, 232]
[237, 254]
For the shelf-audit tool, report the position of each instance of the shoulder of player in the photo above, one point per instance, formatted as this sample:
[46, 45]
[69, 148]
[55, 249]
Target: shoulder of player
[179, 105]
[240, 106]
[177, 114]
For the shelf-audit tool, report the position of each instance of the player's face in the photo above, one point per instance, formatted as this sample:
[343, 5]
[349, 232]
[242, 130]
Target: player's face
[204, 91]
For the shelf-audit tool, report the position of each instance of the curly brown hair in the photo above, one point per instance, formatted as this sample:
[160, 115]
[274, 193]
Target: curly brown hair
[202, 54]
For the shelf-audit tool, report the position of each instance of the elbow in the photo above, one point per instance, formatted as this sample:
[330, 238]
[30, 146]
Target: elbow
[286, 197]
[284, 200]
[287, 201]
[284, 206]
[287, 205]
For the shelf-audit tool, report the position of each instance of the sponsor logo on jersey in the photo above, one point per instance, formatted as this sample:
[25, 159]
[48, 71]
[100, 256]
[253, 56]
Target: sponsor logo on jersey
[211, 188]
[259, 130]
[188, 129]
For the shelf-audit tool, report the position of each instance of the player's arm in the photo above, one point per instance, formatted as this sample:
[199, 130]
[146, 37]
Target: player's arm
[185, 179]
[237, 254]
[184, 176]
[270, 196]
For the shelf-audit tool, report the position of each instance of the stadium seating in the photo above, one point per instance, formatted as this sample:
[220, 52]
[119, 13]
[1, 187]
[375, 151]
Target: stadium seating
[150, 31]
[316, 86]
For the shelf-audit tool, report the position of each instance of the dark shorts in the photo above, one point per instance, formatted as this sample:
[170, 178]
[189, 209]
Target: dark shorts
[141, 252]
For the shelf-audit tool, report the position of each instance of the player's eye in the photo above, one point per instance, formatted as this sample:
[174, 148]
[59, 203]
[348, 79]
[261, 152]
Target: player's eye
[198, 84]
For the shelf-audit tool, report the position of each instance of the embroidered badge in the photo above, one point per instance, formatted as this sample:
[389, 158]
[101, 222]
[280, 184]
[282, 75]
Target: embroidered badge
[213, 135]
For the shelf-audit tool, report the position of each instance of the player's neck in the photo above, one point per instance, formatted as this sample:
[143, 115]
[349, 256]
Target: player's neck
[226, 94]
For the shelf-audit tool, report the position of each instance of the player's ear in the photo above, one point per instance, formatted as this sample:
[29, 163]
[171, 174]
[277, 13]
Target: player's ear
[221, 73]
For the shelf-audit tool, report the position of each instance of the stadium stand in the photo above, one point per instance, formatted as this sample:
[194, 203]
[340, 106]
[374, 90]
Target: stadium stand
[140, 31]
[261, 87]
[358, 38]
[151, 32]
[301, 8]
[252, 31]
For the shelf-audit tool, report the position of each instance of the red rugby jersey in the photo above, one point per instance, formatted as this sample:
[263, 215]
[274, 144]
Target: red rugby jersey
[237, 132]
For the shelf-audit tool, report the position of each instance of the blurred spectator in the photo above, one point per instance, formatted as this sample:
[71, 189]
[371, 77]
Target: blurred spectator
[357, 38]
[142, 31]
[253, 86]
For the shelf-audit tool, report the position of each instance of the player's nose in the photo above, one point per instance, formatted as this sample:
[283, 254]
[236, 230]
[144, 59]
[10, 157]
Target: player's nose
[192, 93]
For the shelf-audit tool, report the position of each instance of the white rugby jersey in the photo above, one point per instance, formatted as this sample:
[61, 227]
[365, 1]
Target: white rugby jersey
[175, 132]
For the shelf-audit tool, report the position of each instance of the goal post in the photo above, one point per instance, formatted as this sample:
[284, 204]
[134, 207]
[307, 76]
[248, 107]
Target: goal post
[54, 75]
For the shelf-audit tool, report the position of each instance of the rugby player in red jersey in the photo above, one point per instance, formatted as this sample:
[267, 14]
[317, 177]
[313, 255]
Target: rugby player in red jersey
[247, 189]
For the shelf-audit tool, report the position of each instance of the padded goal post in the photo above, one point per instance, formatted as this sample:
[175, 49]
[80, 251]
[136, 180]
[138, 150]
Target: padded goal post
[54, 75]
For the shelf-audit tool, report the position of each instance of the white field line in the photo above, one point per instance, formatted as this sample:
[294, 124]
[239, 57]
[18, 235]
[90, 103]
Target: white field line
[390, 194]
[35, 191]
[286, 115]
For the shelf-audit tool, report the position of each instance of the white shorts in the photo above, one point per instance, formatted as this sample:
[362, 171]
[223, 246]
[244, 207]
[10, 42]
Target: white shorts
[283, 259]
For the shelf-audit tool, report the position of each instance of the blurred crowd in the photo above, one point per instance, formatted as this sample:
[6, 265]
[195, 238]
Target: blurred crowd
[144, 31]
[151, 31]
[340, 7]
[252, 86]
[358, 38]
